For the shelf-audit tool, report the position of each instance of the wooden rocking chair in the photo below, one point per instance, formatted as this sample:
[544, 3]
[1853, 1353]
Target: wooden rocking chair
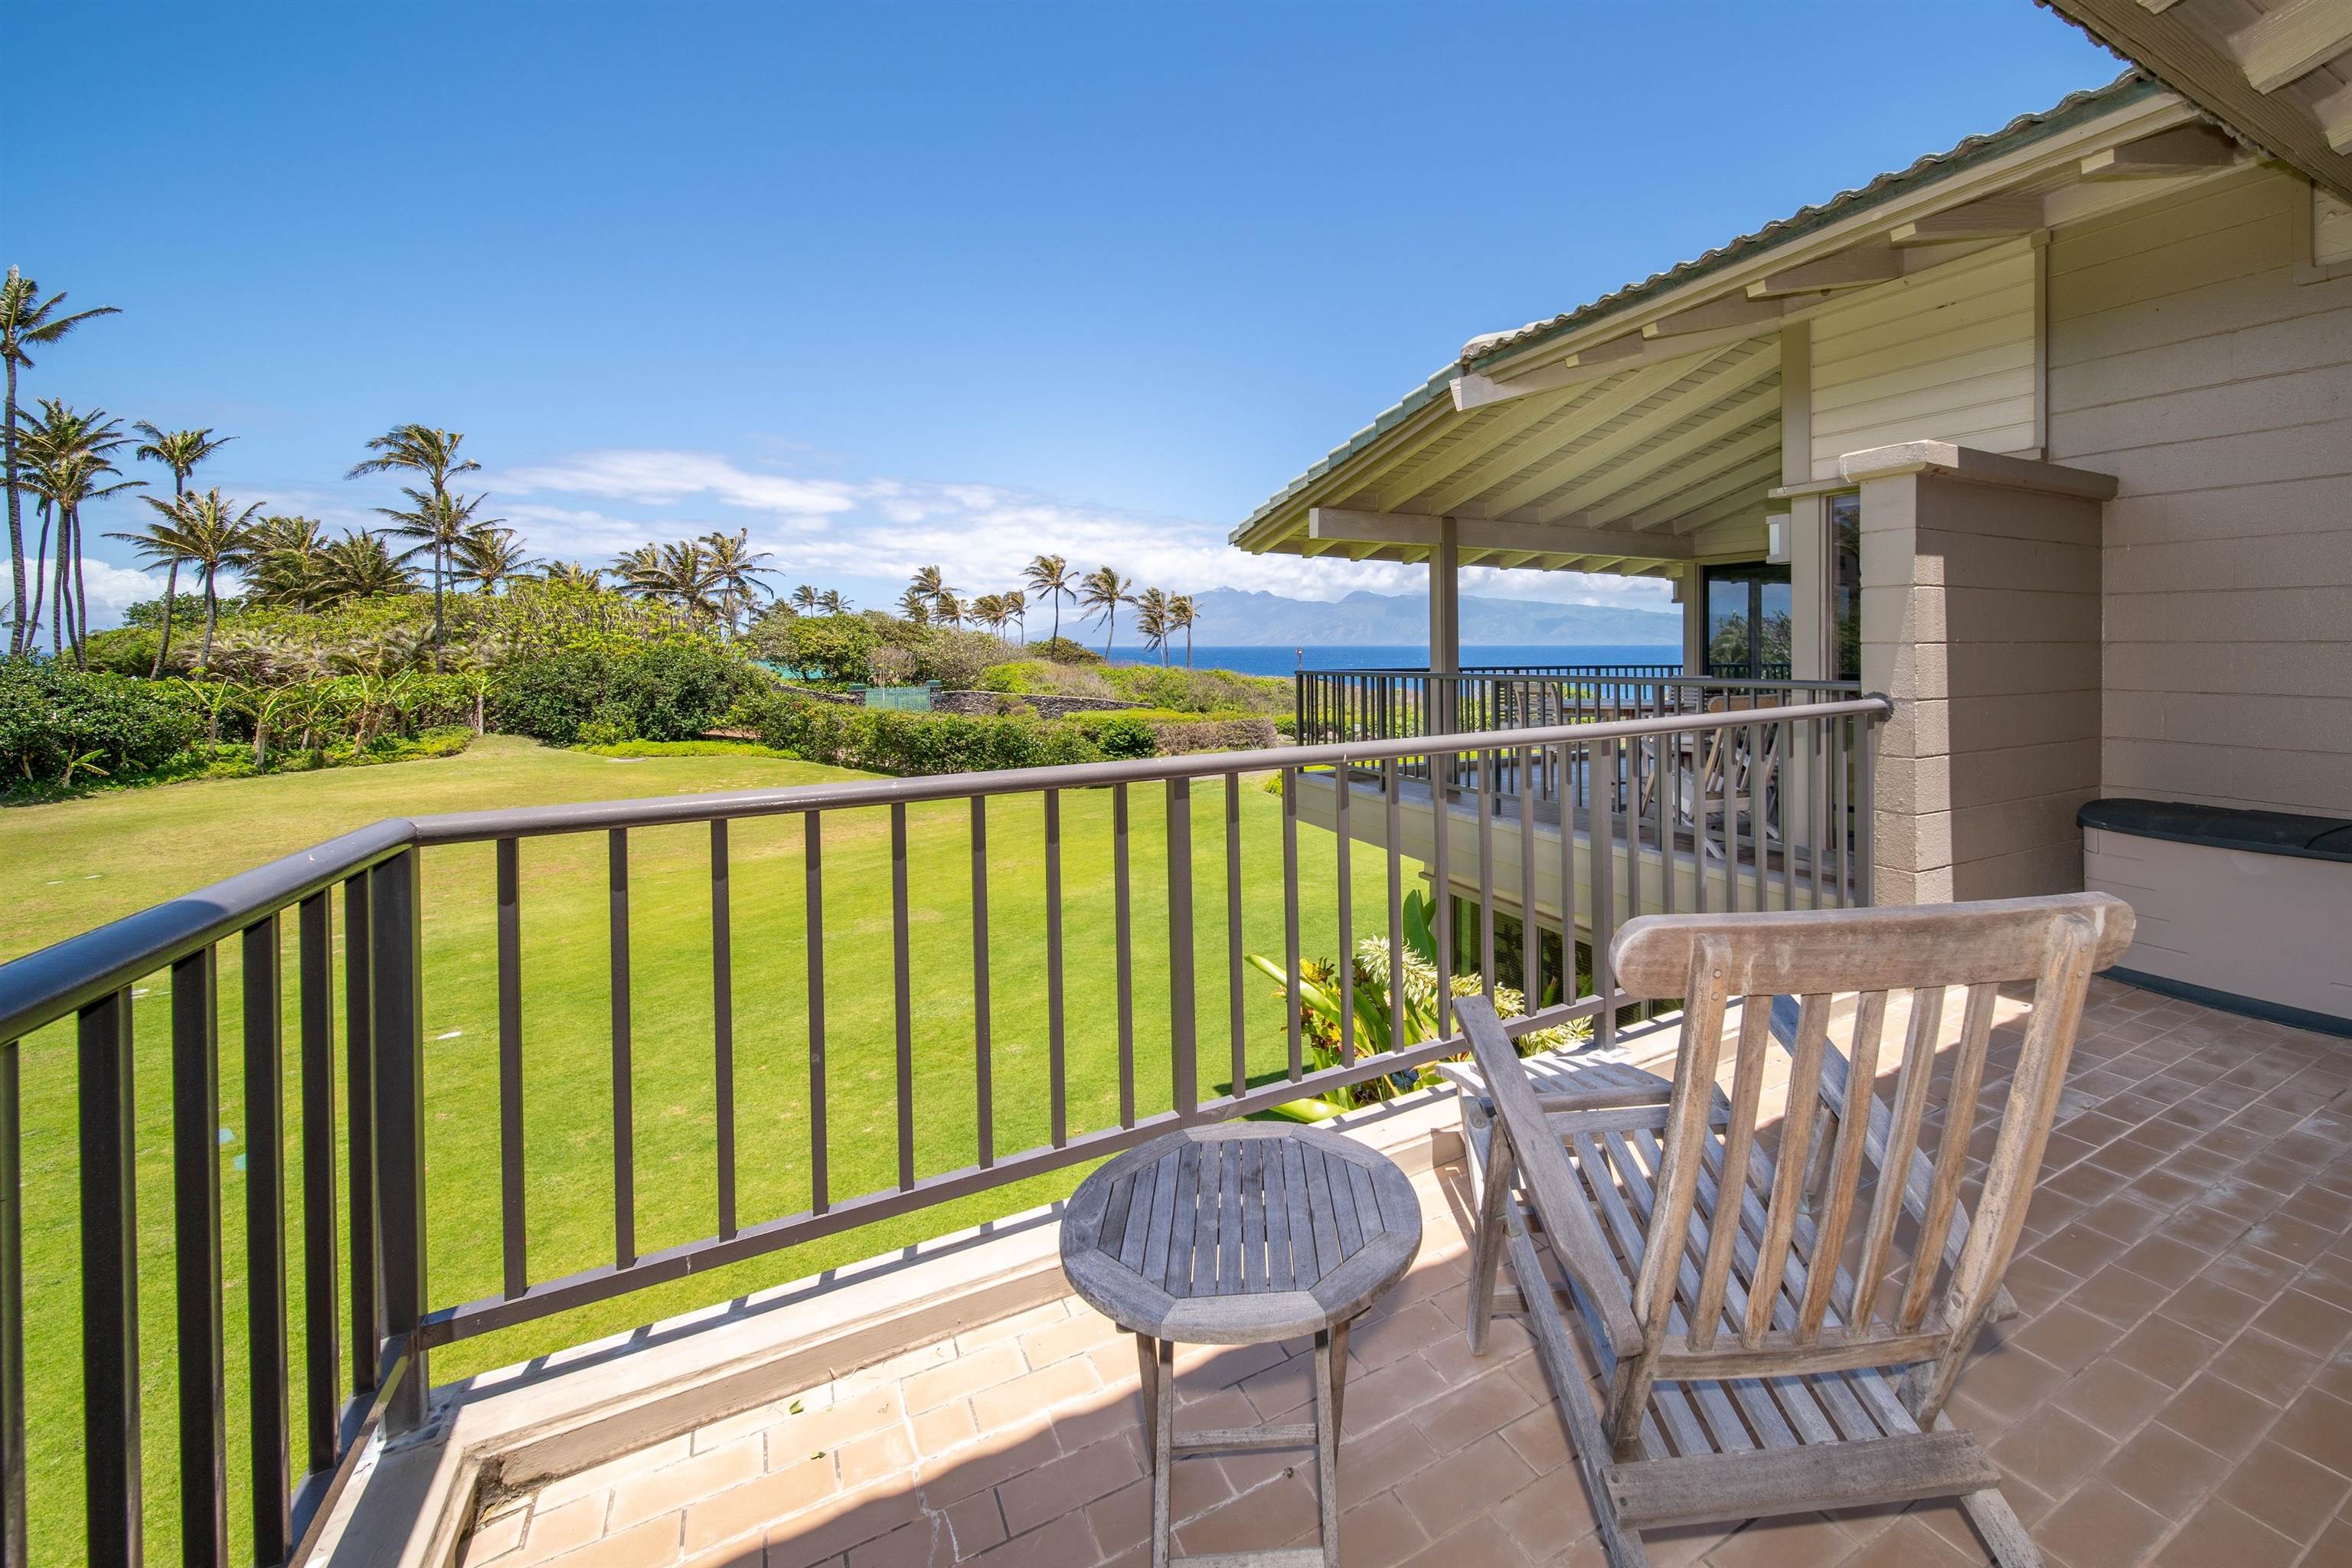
[1692, 1395]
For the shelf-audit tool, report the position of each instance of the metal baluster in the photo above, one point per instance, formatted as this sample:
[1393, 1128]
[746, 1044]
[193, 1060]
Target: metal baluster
[1440, 770]
[322, 1354]
[114, 1520]
[1292, 1007]
[359, 1123]
[1562, 761]
[813, 900]
[983, 1066]
[1183, 1045]
[1233, 996]
[1841, 802]
[196, 1258]
[1530, 947]
[1633, 787]
[902, 1000]
[1343, 868]
[1779, 797]
[1604, 892]
[722, 1023]
[1816, 808]
[1123, 928]
[1487, 764]
[1758, 768]
[396, 951]
[1056, 1033]
[1663, 750]
[510, 1182]
[265, 1244]
[1395, 836]
[14, 1543]
[624, 1148]
[1869, 824]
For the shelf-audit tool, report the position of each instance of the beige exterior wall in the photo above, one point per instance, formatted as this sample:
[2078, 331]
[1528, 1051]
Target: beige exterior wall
[2197, 356]
[1981, 618]
[1947, 354]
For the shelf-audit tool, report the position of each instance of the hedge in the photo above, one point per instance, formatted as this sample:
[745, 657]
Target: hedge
[57, 722]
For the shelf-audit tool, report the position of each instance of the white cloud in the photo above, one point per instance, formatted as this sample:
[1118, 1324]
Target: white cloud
[875, 533]
[112, 590]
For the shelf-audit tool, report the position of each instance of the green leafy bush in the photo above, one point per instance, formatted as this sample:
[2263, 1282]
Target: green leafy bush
[58, 724]
[887, 741]
[1119, 733]
[666, 691]
[833, 648]
[1064, 650]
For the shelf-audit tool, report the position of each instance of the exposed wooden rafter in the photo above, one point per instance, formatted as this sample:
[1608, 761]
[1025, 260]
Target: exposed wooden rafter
[2291, 41]
[2183, 150]
[1487, 534]
[1731, 310]
[1992, 218]
[2238, 71]
[1859, 268]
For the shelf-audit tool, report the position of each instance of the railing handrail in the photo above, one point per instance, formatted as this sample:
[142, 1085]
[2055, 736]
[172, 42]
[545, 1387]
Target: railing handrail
[52, 982]
[1593, 672]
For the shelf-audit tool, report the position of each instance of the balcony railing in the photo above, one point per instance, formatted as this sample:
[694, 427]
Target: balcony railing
[1336, 705]
[368, 1313]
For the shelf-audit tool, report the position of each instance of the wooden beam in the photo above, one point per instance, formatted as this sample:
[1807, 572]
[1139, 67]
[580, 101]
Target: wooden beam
[1739, 372]
[1673, 451]
[2157, 7]
[1731, 310]
[1486, 534]
[2291, 41]
[2183, 150]
[1993, 218]
[1475, 390]
[1857, 268]
[1485, 464]
[2193, 57]
[2333, 113]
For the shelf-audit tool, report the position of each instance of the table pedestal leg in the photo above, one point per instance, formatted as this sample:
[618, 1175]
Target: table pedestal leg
[1330, 1384]
[1159, 1357]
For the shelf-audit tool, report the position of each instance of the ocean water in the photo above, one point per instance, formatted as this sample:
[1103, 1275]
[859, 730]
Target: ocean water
[1378, 656]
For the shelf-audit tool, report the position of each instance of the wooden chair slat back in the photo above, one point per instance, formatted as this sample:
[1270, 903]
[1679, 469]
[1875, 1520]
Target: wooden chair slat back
[1917, 1138]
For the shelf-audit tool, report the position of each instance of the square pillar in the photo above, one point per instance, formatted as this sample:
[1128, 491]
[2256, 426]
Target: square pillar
[1445, 600]
[1981, 618]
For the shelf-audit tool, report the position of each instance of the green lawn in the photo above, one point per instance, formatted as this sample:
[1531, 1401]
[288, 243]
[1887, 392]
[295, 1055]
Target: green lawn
[68, 866]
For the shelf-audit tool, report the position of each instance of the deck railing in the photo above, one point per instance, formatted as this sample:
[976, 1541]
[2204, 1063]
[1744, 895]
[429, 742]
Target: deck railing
[1335, 705]
[368, 1313]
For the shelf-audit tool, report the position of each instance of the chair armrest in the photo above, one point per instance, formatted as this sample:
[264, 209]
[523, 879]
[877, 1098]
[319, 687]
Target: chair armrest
[1551, 1185]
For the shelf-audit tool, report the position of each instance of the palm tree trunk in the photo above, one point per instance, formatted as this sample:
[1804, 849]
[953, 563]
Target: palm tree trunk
[82, 600]
[1188, 645]
[437, 608]
[32, 625]
[1058, 617]
[163, 648]
[1110, 629]
[212, 614]
[18, 631]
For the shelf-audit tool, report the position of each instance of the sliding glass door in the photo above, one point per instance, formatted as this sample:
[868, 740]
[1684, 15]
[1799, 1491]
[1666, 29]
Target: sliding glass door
[1749, 617]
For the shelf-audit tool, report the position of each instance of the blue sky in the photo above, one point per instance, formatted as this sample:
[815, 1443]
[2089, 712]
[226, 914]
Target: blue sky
[892, 284]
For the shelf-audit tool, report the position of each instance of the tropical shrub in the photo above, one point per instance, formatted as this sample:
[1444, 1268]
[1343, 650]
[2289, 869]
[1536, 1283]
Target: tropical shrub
[957, 660]
[887, 741]
[663, 692]
[1064, 650]
[832, 647]
[59, 725]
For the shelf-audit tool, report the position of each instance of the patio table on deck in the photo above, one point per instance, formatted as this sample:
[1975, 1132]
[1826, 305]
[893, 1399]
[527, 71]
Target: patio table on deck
[1240, 1235]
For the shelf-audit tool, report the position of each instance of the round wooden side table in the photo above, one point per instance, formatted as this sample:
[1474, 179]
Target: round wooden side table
[1237, 1235]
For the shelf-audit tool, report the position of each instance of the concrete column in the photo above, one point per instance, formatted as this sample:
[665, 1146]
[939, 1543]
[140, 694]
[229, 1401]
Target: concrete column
[1981, 618]
[1808, 589]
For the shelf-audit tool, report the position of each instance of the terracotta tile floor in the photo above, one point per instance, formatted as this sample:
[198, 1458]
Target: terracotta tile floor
[2177, 1391]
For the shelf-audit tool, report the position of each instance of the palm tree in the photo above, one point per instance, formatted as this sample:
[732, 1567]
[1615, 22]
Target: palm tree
[1182, 614]
[359, 565]
[1016, 608]
[947, 609]
[26, 321]
[286, 559]
[179, 451]
[928, 582]
[735, 568]
[804, 599]
[421, 449]
[915, 604]
[571, 574]
[639, 571]
[68, 455]
[988, 610]
[1102, 591]
[208, 532]
[1049, 576]
[439, 521]
[487, 556]
[1152, 620]
[688, 577]
[832, 602]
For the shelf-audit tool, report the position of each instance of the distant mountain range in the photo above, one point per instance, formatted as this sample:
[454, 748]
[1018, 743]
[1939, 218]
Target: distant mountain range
[1233, 617]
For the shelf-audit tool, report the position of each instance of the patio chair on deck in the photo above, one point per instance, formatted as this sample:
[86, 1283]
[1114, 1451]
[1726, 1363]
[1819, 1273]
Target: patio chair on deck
[1692, 1395]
